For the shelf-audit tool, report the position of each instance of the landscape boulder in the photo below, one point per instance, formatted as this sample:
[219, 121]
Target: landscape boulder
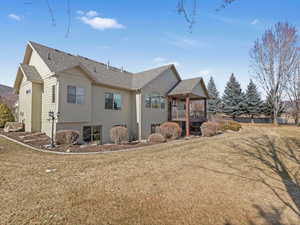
[70, 137]
[13, 127]
[156, 138]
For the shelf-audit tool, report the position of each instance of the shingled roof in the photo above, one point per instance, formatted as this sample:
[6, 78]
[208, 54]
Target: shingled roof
[188, 87]
[31, 73]
[58, 61]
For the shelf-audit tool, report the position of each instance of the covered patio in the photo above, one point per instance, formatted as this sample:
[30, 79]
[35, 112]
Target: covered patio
[188, 105]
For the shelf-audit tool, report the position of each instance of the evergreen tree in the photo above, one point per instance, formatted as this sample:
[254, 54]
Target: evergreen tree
[5, 115]
[214, 103]
[253, 101]
[268, 107]
[233, 98]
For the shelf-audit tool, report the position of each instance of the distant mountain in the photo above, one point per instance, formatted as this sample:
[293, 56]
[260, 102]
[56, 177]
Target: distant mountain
[7, 95]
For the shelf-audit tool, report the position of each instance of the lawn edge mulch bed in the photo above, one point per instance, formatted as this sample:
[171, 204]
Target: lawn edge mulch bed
[73, 153]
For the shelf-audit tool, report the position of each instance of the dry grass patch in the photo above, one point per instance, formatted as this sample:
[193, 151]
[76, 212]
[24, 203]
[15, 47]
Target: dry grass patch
[209, 181]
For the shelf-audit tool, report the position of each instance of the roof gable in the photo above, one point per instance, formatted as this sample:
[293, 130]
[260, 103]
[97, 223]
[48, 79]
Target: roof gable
[29, 72]
[141, 79]
[194, 87]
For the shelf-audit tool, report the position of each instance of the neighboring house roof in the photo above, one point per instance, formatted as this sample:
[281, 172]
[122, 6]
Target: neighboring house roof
[188, 86]
[143, 78]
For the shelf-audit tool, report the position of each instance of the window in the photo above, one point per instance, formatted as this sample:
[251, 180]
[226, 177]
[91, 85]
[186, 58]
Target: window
[113, 101]
[155, 101]
[162, 102]
[148, 101]
[154, 128]
[80, 95]
[92, 133]
[28, 91]
[53, 93]
[75, 95]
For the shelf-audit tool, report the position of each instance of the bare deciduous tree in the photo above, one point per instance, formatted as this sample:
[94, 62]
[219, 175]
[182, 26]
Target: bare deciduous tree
[274, 60]
[293, 93]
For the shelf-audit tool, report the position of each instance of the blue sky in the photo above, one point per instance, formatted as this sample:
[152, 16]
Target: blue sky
[139, 35]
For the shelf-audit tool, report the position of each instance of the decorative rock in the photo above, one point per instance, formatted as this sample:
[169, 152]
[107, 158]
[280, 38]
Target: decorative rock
[156, 138]
[13, 127]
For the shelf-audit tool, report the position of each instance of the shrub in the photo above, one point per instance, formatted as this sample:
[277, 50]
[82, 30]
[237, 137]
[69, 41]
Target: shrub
[70, 137]
[5, 115]
[156, 138]
[229, 125]
[119, 134]
[170, 130]
[209, 129]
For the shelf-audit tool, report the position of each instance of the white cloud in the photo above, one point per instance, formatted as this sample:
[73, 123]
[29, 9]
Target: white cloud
[254, 22]
[91, 13]
[14, 17]
[92, 19]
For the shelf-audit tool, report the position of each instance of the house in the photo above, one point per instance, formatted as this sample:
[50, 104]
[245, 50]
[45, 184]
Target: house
[92, 97]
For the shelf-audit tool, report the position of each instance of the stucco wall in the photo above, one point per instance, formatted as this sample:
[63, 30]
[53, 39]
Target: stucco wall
[93, 112]
[162, 85]
[70, 112]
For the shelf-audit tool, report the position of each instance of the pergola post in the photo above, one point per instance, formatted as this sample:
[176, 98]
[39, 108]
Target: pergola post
[187, 115]
[205, 109]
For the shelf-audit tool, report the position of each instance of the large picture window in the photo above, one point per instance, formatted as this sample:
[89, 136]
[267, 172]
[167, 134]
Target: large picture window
[75, 95]
[155, 101]
[113, 101]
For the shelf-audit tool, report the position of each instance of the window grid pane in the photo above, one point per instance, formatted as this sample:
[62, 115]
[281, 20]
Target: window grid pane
[71, 95]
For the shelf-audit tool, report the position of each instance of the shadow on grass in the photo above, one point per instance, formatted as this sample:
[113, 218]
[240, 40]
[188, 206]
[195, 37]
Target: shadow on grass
[274, 162]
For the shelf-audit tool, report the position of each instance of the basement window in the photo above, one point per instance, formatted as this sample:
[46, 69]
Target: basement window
[92, 134]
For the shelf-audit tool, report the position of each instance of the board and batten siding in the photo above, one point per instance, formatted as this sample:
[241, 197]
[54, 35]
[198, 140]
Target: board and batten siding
[39, 64]
[47, 104]
[25, 104]
[36, 107]
[161, 85]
